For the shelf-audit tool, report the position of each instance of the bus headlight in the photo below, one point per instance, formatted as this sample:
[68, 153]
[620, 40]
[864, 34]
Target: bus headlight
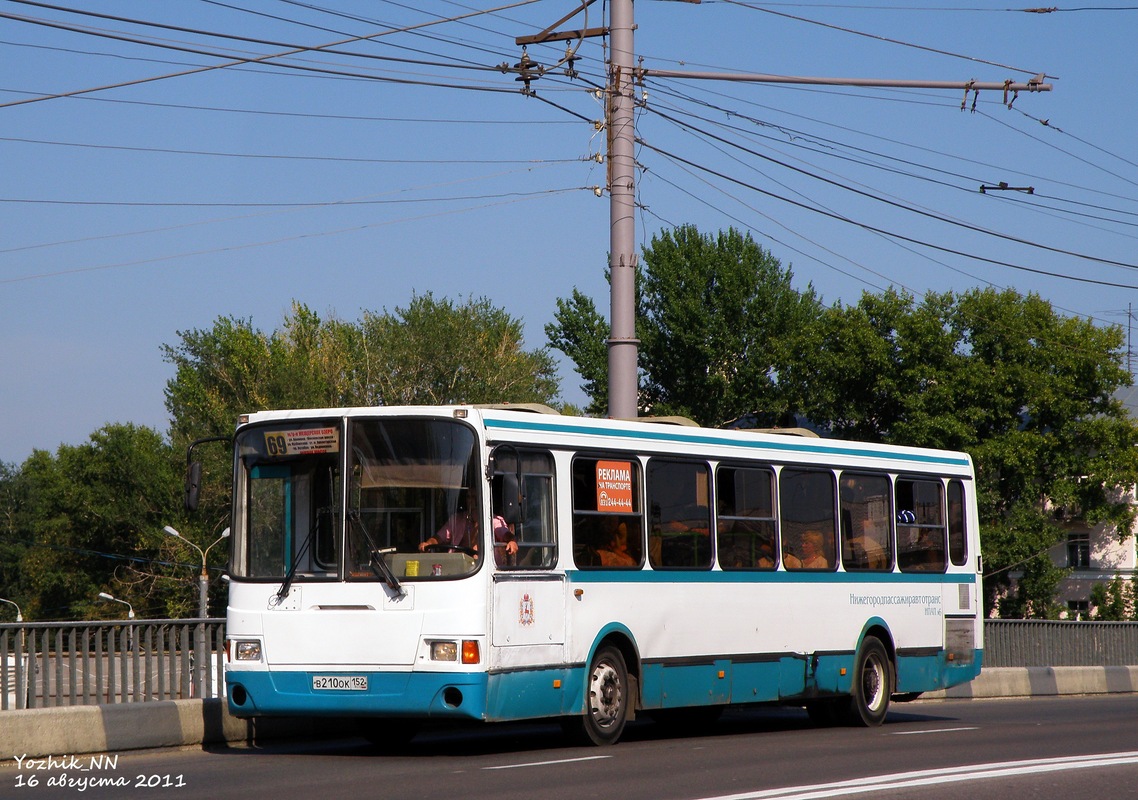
[246, 650]
[444, 651]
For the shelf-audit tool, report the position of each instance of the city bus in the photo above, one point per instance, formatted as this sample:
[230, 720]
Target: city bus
[404, 564]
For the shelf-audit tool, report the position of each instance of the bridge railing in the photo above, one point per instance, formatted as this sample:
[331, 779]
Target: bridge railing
[50, 664]
[1059, 643]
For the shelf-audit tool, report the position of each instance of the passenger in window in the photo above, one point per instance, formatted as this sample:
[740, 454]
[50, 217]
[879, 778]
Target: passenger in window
[765, 559]
[505, 545]
[813, 549]
[614, 552]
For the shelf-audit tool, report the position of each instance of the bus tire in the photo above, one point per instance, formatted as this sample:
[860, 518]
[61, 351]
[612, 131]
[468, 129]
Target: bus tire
[872, 684]
[607, 700]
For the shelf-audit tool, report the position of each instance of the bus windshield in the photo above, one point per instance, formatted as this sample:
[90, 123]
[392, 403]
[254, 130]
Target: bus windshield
[410, 491]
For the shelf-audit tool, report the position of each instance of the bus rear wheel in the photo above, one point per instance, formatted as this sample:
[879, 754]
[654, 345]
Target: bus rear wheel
[872, 684]
[607, 699]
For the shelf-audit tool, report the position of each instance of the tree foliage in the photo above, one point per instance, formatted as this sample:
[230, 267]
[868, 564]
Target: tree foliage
[1116, 600]
[431, 352]
[719, 324]
[1027, 392]
[88, 519]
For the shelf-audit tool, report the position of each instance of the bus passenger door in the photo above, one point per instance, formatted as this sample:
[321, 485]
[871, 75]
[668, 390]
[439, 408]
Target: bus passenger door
[527, 653]
[528, 603]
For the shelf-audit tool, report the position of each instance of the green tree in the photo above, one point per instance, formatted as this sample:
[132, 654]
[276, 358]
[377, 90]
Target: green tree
[12, 547]
[89, 519]
[431, 352]
[719, 324]
[581, 333]
[439, 352]
[1115, 601]
[1028, 392]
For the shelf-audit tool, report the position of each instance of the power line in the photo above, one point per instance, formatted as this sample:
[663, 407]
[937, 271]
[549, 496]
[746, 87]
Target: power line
[930, 215]
[891, 234]
[282, 240]
[236, 62]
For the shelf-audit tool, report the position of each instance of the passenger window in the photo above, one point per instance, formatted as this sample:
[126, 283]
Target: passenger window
[608, 529]
[957, 539]
[745, 518]
[534, 533]
[680, 508]
[806, 506]
[920, 525]
[866, 516]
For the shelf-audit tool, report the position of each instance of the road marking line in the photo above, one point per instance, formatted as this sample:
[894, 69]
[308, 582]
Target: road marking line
[932, 777]
[547, 763]
[933, 730]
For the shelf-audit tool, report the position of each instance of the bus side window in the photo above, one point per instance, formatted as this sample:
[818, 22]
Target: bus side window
[745, 518]
[535, 532]
[679, 502]
[957, 539]
[867, 541]
[608, 530]
[920, 525]
[806, 505]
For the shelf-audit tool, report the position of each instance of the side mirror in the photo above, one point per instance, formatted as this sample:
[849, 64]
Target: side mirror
[193, 486]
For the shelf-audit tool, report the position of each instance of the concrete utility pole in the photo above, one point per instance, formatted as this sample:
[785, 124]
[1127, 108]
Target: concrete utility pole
[623, 344]
[620, 125]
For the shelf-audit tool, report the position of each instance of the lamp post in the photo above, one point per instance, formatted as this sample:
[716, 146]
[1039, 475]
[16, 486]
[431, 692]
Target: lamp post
[203, 578]
[203, 602]
[129, 615]
[21, 666]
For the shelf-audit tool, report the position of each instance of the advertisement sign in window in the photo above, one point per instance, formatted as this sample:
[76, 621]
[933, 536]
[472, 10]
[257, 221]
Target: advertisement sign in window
[614, 486]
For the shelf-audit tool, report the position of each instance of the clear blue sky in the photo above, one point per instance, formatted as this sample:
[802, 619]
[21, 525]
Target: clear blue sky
[132, 213]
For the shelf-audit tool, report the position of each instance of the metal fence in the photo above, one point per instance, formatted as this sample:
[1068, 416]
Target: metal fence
[1047, 643]
[49, 664]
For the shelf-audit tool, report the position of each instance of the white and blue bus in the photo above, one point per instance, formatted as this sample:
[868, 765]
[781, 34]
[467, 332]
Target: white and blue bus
[599, 569]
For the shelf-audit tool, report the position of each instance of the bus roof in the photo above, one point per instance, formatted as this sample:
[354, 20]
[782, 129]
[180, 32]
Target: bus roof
[538, 424]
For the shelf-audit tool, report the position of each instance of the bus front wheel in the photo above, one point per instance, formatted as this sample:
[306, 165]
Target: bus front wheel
[607, 700]
[872, 684]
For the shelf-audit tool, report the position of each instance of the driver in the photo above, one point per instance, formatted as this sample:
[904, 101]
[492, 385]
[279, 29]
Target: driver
[461, 530]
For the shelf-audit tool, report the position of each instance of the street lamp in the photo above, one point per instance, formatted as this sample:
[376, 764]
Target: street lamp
[113, 599]
[19, 614]
[203, 579]
[203, 602]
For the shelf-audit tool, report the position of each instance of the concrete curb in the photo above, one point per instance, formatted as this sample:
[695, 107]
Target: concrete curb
[75, 730]
[1042, 682]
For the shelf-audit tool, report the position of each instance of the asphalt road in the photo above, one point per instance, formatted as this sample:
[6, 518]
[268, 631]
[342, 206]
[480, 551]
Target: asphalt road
[1061, 747]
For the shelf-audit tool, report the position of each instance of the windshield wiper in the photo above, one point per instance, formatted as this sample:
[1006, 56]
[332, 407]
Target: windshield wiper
[377, 562]
[282, 592]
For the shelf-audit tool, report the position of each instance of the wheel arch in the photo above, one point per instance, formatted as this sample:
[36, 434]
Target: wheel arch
[619, 636]
[879, 629]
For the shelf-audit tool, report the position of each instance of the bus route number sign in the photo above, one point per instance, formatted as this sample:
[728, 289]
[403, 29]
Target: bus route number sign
[356, 683]
[308, 441]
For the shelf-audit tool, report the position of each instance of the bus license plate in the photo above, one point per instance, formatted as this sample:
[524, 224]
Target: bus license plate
[357, 683]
